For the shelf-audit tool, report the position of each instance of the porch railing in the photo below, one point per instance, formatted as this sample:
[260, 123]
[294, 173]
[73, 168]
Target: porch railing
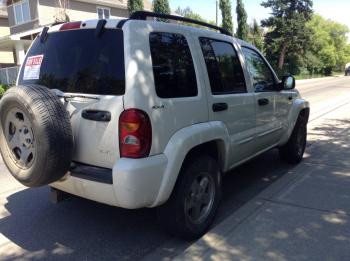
[9, 75]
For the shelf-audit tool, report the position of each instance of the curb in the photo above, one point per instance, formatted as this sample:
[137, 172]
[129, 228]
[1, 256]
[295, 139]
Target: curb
[216, 236]
[317, 79]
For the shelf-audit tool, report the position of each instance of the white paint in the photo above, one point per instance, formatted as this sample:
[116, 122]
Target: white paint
[32, 67]
[244, 131]
[20, 52]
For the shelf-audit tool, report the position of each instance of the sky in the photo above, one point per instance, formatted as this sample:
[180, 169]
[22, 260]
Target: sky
[337, 10]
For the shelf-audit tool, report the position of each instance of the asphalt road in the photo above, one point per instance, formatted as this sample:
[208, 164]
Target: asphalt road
[77, 229]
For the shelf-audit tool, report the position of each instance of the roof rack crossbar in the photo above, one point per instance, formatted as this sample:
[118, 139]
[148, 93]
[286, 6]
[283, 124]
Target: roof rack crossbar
[143, 15]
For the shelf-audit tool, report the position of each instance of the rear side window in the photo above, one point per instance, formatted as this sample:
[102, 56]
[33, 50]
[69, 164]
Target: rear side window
[223, 66]
[77, 61]
[173, 69]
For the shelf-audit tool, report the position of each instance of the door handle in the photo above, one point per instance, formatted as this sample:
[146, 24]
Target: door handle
[96, 115]
[221, 106]
[263, 101]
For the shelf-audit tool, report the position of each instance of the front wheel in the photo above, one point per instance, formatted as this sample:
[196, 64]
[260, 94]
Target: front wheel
[193, 204]
[293, 151]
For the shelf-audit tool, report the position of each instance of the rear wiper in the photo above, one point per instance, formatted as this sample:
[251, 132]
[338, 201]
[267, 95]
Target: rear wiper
[44, 34]
[65, 96]
[100, 27]
[72, 96]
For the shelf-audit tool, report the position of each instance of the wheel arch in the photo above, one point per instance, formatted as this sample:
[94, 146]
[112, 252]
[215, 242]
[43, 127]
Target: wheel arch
[214, 148]
[209, 138]
[299, 108]
[304, 114]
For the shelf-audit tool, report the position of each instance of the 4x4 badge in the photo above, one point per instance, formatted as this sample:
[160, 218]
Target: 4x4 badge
[156, 107]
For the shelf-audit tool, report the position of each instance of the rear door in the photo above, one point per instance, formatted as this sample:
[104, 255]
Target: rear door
[88, 69]
[168, 83]
[268, 126]
[228, 98]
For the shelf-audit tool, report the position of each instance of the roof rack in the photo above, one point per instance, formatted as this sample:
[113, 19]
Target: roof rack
[143, 15]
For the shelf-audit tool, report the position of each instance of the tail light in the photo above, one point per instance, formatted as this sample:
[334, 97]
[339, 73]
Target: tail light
[70, 26]
[135, 134]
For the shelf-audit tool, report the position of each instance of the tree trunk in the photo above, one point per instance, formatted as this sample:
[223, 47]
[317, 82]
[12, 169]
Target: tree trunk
[282, 56]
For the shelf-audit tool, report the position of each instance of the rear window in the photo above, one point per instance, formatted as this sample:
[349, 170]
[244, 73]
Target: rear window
[77, 61]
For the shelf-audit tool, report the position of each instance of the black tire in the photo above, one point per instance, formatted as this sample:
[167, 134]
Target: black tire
[292, 152]
[35, 110]
[172, 215]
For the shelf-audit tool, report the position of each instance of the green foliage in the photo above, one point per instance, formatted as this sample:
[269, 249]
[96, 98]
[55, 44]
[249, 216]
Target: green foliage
[242, 29]
[188, 13]
[3, 89]
[256, 36]
[135, 5]
[161, 7]
[225, 7]
[328, 50]
[288, 37]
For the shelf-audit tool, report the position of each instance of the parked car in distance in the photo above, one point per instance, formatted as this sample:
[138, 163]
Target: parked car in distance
[347, 71]
[138, 113]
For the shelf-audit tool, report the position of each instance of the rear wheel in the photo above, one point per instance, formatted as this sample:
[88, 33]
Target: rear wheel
[293, 151]
[193, 204]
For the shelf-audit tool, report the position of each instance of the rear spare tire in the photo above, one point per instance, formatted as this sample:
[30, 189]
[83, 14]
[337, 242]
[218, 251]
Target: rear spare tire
[36, 140]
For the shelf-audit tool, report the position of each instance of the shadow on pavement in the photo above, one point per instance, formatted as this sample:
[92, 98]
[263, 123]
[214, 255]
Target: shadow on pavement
[82, 229]
[308, 219]
[76, 228]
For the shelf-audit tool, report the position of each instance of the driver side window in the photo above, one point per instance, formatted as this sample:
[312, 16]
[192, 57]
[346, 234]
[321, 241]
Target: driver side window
[263, 79]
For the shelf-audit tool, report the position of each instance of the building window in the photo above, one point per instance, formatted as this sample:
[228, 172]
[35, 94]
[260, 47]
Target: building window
[21, 11]
[103, 12]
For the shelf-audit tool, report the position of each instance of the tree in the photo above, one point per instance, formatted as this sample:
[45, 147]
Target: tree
[242, 28]
[225, 7]
[135, 5]
[255, 35]
[61, 11]
[328, 49]
[287, 35]
[161, 7]
[188, 13]
[312, 63]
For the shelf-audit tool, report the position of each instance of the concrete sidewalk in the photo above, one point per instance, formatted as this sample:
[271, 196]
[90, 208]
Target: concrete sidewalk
[305, 215]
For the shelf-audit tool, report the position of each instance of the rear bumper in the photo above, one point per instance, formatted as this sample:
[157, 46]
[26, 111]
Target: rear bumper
[135, 183]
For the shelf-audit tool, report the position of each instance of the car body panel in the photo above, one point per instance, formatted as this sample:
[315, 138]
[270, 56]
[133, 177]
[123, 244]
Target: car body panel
[167, 115]
[242, 132]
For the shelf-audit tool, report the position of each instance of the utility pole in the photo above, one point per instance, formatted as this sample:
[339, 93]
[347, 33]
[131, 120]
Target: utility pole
[217, 12]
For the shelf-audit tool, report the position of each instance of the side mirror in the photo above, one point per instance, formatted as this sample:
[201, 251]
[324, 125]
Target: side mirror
[288, 82]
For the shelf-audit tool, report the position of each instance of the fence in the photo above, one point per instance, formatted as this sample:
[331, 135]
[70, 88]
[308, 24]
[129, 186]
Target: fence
[9, 75]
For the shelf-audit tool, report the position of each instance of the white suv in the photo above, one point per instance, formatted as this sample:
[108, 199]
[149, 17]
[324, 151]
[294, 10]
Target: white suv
[138, 113]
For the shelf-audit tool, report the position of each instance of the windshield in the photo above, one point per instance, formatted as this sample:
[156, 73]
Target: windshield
[77, 61]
